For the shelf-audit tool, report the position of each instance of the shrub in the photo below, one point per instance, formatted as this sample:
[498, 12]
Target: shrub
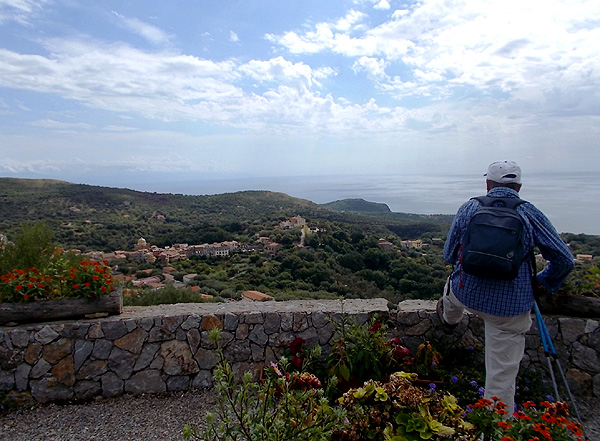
[399, 410]
[285, 406]
[546, 421]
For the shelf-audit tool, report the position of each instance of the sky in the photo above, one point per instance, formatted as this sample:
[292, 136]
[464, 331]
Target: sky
[109, 91]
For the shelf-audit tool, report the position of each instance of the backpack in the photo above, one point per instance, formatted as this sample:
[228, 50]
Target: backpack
[493, 245]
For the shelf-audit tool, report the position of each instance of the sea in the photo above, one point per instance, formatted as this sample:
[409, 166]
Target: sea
[570, 200]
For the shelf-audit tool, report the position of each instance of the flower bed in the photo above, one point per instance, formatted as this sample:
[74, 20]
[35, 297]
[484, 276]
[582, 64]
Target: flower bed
[64, 289]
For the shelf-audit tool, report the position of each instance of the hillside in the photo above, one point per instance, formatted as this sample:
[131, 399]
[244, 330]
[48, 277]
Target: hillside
[358, 206]
[104, 218]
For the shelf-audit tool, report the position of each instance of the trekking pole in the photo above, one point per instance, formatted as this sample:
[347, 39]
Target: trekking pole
[546, 344]
[550, 352]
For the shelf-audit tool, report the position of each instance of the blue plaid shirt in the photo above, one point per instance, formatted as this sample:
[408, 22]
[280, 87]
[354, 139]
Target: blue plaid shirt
[508, 298]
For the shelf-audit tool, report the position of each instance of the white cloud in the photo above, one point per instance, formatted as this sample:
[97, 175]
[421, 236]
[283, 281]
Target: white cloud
[509, 45]
[383, 4]
[61, 126]
[374, 67]
[21, 11]
[144, 30]
[233, 37]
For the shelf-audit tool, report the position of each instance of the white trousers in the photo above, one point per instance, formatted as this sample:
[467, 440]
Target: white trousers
[504, 347]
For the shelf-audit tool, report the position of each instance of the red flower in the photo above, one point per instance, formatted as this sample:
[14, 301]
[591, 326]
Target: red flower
[376, 327]
[504, 425]
[26, 296]
[296, 345]
[18, 287]
[297, 362]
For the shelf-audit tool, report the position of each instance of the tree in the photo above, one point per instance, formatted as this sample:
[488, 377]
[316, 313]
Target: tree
[32, 248]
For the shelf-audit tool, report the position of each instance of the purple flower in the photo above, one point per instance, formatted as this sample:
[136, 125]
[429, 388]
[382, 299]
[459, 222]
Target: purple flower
[550, 398]
[474, 383]
[470, 348]
[481, 391]
[433, 363]
[454, 379]
[432, 386]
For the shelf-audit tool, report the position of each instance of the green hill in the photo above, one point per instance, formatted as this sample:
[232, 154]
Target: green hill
[358, 206]
[105, 218]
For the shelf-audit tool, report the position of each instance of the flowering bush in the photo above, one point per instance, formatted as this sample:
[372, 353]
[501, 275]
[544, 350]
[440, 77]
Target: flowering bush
[286, 406]
[400, 410]
[546, 421]
[364, 353]
[64, 277]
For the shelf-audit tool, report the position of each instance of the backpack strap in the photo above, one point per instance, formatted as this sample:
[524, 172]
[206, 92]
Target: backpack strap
[488, 201]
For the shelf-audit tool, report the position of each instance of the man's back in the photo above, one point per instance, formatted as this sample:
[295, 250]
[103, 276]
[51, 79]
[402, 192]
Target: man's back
[513, 297]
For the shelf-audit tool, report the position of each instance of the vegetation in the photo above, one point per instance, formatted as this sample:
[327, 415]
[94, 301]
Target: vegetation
[342, 257]
[299, 399]
[33, 268]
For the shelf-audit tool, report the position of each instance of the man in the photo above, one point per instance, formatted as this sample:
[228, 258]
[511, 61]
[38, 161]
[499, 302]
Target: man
[504, 305]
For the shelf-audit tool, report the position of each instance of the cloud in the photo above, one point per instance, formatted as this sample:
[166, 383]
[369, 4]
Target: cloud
[60, 126]
[233, 37]
[21, 11]
[383, 4]
[437, 47]
[374, 67]
[149, 32]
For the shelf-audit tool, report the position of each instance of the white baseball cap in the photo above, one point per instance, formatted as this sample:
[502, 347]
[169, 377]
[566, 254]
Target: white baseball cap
[504, 172]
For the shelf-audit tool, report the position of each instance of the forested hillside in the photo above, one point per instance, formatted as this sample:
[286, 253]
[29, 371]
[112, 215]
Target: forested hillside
[102, 218]
[355, 249]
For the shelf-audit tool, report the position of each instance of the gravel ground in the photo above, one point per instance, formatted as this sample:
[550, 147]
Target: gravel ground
[149, 418]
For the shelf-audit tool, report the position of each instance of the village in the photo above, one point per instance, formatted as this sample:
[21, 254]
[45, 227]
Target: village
[145, 253]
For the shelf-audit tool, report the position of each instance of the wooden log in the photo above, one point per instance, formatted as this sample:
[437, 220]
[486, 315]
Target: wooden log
[47, 310]
[570, 306]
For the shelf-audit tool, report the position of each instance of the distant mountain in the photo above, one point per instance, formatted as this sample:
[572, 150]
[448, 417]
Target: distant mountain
[358, 206]
[105, 218]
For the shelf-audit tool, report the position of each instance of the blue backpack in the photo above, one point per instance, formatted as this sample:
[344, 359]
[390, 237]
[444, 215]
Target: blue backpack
[493, 245]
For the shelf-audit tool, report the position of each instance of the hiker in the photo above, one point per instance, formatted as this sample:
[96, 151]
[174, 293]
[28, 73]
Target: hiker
[503, 299]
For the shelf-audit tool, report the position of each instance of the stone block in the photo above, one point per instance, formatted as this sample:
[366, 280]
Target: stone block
[571, 329]
[146, 357]
[230, 322]
[114, 329]
[91, 369]
[206, 358]
[46, 335]
[20, 338]
[40, 369]
[55, 351]
[258, 336]
[81, 351]
[22, 377]
[112, 385]
[85, 390]
[203, 379]
[272, 323]
[178, 358]
[178, 383]
[121, 362]
[133, 341]
[48, 389]
[148, 381]
[102, 349]
[32, 353]
[64, 371]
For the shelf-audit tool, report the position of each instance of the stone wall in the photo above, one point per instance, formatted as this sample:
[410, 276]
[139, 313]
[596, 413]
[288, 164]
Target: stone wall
[166, 348]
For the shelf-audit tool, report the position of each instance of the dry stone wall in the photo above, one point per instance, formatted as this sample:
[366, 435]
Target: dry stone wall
[167, 348]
